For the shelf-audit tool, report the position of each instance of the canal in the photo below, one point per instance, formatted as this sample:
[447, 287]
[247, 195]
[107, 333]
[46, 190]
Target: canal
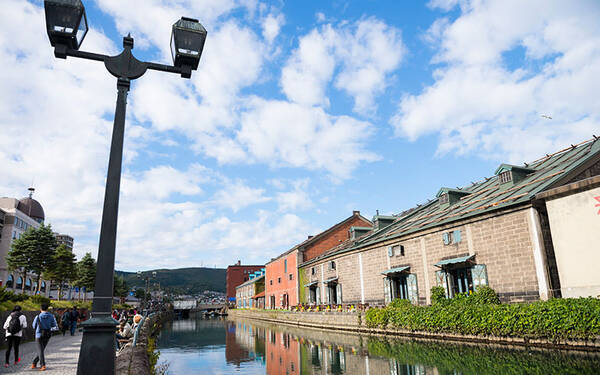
[220, 346]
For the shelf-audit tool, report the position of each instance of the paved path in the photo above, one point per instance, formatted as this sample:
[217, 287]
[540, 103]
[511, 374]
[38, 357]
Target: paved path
[62, 354]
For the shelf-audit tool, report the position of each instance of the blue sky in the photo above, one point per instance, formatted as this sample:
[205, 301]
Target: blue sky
[299, 113]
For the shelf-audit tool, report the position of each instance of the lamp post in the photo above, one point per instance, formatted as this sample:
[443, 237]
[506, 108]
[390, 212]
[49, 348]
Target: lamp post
[66, 24]
[146, 278]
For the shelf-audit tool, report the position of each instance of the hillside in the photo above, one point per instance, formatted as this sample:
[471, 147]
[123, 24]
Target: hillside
[182, 280]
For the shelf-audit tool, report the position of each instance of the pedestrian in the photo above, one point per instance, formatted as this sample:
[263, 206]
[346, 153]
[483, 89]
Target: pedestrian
[13, 326]
[66, 321]
[44, 324]
[74, 316]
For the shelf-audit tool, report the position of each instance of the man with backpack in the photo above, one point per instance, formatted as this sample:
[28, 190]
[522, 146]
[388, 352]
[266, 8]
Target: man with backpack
[66, 321]
[14, 325]
[74, 317]
[43, 324]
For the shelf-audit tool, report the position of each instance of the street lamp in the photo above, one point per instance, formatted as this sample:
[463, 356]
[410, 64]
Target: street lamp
[66, 25]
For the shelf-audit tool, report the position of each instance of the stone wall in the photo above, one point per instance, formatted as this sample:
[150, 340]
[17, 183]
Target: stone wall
[502, 241]
[134, 360]
[355, 323]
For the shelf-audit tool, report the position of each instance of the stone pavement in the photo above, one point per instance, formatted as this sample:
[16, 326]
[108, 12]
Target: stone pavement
[62, 354]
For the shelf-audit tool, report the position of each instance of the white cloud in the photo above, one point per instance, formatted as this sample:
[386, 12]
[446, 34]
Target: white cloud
[296, 199]
[366, 52]
[287, 134]
[237, 195]
[271, 26]
[480, 101]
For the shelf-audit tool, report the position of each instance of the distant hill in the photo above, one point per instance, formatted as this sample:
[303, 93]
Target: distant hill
[182, 280]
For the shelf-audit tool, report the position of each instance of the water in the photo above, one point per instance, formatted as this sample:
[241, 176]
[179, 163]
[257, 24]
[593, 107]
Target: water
[219, 346]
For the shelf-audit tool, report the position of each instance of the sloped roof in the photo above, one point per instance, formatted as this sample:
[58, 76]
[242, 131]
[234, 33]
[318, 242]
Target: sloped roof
[484, 196]
[317, 237]
[251, 281]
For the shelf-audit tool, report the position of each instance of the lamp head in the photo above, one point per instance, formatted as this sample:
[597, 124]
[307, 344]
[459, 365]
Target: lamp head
[66, 24]
[187, 42]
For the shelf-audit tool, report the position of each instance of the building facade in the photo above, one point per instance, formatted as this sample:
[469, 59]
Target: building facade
[64, 239]
[497, 232]
[236, 275]
[248, 294]
[18, 216]
[283, 285]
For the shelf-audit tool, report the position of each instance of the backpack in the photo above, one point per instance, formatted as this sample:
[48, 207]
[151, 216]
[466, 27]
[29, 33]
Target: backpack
[46, 333]
[14, 326]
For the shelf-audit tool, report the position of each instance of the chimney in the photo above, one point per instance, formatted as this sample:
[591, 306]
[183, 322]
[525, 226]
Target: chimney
[309, 237]
[239, 263]
[356, 213]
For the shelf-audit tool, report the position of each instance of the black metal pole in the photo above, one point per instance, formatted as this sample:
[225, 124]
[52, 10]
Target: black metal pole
[97, 353]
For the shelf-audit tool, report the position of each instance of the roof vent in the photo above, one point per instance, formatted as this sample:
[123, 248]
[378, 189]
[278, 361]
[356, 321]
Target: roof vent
[510, 175]
[356, 232]
[381, 221]
[447, 196]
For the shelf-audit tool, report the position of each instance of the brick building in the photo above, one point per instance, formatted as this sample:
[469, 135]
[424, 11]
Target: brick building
[282, 283]
[236, 275]
[497, 232]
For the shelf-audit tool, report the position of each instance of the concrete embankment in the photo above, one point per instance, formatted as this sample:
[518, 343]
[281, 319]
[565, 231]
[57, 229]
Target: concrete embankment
[133, 360]
[355, 323]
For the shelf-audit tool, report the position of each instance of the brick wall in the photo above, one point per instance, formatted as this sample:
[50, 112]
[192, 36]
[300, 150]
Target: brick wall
[236, 276]
[278, 280]
[502, 242]
[332, 238]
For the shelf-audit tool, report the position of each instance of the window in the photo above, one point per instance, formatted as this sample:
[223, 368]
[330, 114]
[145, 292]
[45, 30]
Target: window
[443, 199]
[505, 177]
[279, 280]
[285, 266]
[291, 276]
[398, 250]
[451, 237]
[332, 265]
[271, 282]
[312, 271]
[14, 234]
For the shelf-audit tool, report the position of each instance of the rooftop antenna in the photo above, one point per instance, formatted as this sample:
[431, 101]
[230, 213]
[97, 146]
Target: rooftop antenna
[31, 190]
[377, 212]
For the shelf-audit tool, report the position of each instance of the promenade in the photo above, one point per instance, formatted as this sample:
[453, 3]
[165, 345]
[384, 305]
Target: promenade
[62, 354]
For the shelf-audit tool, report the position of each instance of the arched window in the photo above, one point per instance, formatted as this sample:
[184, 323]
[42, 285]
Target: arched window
[28, 284]
[19, 283]
[44, 286]
[10, 281]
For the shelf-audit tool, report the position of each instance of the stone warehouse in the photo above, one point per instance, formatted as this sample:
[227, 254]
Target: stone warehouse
[529, 232]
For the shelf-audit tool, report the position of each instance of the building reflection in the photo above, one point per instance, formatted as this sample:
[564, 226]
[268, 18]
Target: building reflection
[286, 353]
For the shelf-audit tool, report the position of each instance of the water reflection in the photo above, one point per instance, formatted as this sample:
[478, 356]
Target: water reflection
[217, 346]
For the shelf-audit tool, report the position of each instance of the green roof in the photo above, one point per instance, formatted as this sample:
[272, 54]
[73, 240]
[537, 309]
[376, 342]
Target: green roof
[445, 262]
[395, 270]
[484, 196]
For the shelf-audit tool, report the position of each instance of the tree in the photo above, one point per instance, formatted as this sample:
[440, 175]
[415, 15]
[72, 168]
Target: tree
[41, 252]
[140, 293]
[86, 273]
[18, 258]
[64, 269]
[120, 288]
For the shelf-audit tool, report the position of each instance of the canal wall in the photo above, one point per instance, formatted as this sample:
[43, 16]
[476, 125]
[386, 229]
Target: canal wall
[134, 360]
[355, 322]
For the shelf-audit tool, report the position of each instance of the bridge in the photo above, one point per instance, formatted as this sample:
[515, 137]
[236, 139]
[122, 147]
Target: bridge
[185, 307]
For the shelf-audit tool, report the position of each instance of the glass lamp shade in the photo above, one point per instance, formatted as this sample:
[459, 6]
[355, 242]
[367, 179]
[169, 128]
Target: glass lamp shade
[66, 22]
[187, 42]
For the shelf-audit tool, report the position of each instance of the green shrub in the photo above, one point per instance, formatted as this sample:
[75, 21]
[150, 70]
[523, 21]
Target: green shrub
[438, 295]
[486, 295]
[481, 314]
[8, 295]
[39, 299]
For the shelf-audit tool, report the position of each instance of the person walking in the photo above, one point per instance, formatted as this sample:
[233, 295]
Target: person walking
[74, 316]
[14, 325]
[66, 321]
[44, 324]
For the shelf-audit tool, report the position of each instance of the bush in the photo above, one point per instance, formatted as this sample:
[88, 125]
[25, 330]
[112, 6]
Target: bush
[8, 295]
[438, 295]
[39, 299]
[481, 314]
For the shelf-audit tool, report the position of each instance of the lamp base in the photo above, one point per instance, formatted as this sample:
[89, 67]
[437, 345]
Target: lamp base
[97, 354]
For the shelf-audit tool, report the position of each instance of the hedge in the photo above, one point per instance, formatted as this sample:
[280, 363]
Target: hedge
[480, 314]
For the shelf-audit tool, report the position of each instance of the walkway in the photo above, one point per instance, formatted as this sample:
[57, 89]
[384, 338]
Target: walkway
[62, 354]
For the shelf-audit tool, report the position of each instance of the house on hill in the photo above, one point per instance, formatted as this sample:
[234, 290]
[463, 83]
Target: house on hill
[528, 232]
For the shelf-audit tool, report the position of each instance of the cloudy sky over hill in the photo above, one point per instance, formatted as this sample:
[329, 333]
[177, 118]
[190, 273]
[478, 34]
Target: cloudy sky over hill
[299, 113]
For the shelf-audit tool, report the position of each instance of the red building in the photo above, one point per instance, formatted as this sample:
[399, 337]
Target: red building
[236, 276]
